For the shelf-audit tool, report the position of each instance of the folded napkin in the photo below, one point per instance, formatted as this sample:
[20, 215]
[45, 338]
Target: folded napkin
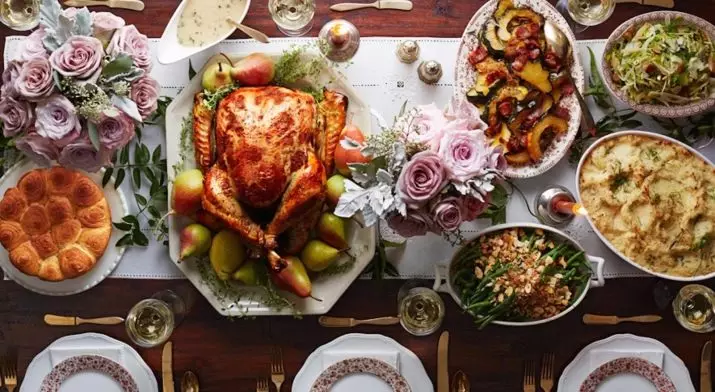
[113, 352]
[599, 357]
[390, 357]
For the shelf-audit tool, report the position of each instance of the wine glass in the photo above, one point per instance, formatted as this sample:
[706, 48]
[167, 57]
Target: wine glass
[151, 322]
[293, 18]
[581, 14]
[20, 15]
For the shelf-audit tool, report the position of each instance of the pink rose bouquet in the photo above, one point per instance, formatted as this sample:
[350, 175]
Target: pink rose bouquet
[78, 88]
[432, 172]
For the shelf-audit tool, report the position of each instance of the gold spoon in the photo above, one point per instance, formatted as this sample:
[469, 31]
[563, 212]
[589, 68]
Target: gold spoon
[251, 32]
[189, 382]
[460, 382]
[557, 42]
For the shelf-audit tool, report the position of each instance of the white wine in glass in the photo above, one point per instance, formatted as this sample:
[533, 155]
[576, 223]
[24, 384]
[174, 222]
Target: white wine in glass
[591, 12]
[292, 17]
[20, 15]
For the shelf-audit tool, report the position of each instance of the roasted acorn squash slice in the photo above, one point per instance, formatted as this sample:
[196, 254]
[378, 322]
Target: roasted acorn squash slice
[517, 93]
[489, 38]
[490, 77]
[555, 124]
[503, 7]
[521, 15]
[502, 138]
[520, 158]
[538, 104]
[535, 74]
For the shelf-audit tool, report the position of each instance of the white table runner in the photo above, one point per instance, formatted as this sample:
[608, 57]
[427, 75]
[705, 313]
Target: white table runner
[385, 84]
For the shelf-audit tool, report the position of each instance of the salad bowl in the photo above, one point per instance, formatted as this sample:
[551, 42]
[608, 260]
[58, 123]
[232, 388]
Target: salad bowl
[666, 111]
[445, 273]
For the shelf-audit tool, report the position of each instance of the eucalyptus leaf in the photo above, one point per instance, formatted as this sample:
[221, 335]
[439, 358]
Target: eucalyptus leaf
[139, 238]
[131, 219]
[137, 177]
[124, 155]
[156, 155]
[125, 241]
[121, 64]
[93, 135]
[141, 200]
[107, 176]
[120, 178]
[127, 106]
[124, 226]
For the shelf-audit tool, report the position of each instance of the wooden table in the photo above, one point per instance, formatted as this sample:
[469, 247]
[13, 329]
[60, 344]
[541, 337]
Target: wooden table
[228, 355]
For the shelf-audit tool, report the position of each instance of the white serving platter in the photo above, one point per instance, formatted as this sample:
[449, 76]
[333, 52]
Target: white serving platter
[171, 51]
[361, 240]
[105, 265]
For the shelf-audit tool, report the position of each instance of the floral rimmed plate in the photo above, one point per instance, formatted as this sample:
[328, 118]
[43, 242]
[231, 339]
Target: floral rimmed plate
[638, 366]
[378, 368]
[649, 109]
[74, 365]
[465, 76]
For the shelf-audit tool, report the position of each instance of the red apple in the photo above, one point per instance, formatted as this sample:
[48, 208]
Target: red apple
[345, 156]
[256, 69]
[188, 188]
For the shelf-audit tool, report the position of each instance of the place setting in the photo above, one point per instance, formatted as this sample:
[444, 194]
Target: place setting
[513, 172]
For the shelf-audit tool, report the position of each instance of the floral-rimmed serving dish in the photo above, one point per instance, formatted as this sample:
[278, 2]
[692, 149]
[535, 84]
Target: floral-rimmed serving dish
[651, 109]
[465, 75]
[445, 274]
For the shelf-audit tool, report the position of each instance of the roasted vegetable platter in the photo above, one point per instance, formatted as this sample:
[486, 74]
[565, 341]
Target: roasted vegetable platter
[505, 68]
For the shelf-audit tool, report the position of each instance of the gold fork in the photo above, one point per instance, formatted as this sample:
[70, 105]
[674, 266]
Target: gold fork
[547, 372]
[529, 377]
[261, 385]
[277, 373]
[9, 372]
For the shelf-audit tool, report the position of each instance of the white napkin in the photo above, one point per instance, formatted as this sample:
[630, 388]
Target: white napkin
[599, 357]
[390, 357]
[113, 352]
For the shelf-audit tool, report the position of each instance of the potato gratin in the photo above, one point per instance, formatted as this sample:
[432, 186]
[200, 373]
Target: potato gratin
[654, 201]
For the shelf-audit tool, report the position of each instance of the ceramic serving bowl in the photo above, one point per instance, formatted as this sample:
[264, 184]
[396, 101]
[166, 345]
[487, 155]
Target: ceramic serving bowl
[448, 271]
[171, 51]
[650, 109]
[598, 232]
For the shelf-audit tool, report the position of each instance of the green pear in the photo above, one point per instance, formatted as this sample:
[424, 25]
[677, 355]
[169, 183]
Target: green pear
[216, 76]
[227, 253]
[293, 278]
[248, 274]
[195, 240]
[317, 255]
[331, 229]
[335, 187]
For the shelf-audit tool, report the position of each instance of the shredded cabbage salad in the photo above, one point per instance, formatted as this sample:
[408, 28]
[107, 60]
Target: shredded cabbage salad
[668, 63]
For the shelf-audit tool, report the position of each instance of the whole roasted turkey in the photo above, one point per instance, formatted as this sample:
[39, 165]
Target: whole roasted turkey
[266, 167]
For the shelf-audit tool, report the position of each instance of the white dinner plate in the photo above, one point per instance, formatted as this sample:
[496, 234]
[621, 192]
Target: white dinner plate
[630, 345]
[105, 265]
[362, 345]
[89, 381]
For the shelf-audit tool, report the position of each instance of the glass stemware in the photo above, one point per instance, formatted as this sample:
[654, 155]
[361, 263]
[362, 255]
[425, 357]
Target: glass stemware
[581, 14]
[293, 18]
[694, 308]
[151, 322]
[20, 15]
[421, 309]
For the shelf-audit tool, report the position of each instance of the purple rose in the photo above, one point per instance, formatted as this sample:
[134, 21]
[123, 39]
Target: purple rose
[56, 118]
[128, 40]
[422, 178]
[415, 224]
[9, 77]
[465, 154]
[447, 213]
[34, 82]
[145, 93]
[33, 45]
[115, 129]
[79, 57]
[427, 126]
[16, 116]
[104, 24]
[40, 150]
[472, 207]
[82, 155]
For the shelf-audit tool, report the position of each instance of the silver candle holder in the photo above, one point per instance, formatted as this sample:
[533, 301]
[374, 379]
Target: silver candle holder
[557, 206]
[339, 40]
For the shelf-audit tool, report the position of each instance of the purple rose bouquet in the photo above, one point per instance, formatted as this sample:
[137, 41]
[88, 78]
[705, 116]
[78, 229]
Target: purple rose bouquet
[78, 88]
[431, 172]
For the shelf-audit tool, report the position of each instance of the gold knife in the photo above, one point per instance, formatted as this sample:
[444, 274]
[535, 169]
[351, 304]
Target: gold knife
[167, 373]
[594, 319]
[134, 5]
[66, 321]
[403, 5]
[442, 363]
[655, 3]
[345, 322]
[705, 357]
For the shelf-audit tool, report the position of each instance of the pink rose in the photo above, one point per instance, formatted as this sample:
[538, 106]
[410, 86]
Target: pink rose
[145, 93]
[33, 45]
[461, 114]
[104, 24]
[34, 81]
[472, 207]
[9, 76]
[56, 118]
[70, 13]
[427, 126]
[79, 57]
[39, 149]
[415, 224]
[16, 116]
[465, 154]
[447, 213]
[82, 155]
[421, 179]
[128, 40]
[115, 129]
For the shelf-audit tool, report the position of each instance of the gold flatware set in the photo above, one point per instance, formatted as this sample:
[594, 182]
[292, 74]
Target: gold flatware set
[594, 319]
[134, 5]
[546, 379]
[347, 322]
[8, 371]
[71, 321]
[277, 373]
